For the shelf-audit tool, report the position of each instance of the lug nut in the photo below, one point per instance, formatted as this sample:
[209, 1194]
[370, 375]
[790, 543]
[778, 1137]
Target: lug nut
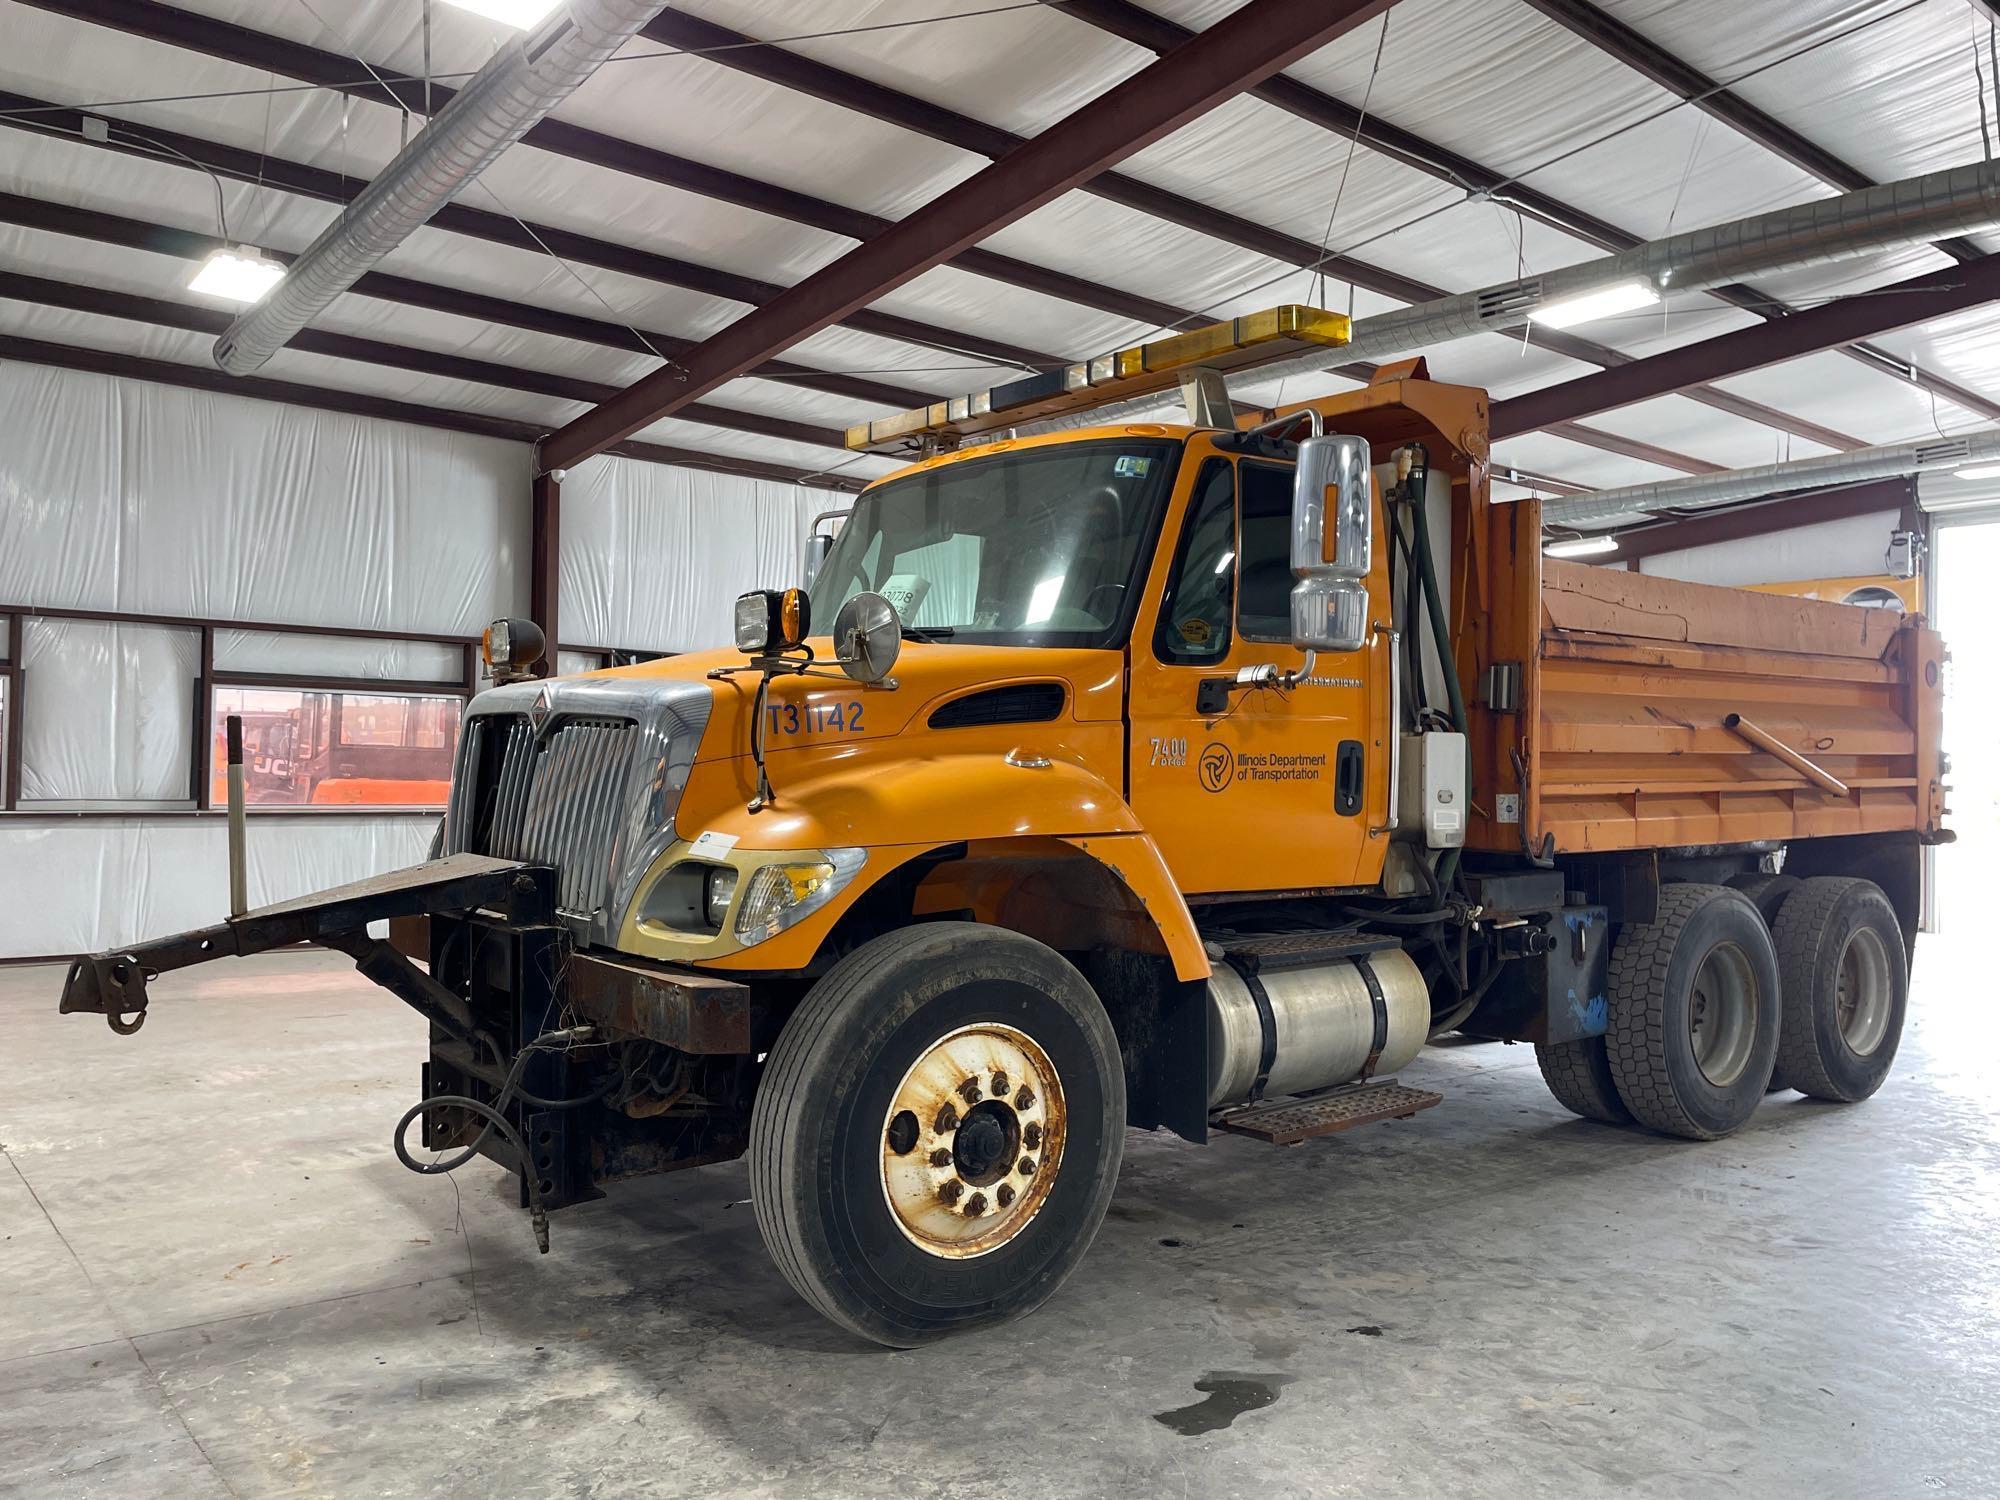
[1031, 1137]
[950, 1191]
[1027, 1168]
[975, 1205]
[969, 1091]
[1000, 1085]
[1004, 1193]
[940, 1157]
[1025, 1099]
[946, 1121]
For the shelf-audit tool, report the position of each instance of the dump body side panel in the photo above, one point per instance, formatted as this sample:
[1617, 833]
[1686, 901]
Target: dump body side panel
[1652, 693]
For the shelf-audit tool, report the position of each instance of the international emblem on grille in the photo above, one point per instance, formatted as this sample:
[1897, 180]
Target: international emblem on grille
[538, 711]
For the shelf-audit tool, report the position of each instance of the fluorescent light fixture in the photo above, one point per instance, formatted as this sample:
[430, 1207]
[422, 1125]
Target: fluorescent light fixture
[1582, 546]
[521, 13]
[1977, 471]
[239, 275]
[1605, 302]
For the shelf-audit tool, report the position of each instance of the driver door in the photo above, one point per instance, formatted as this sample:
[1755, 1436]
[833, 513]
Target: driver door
[1248, 788]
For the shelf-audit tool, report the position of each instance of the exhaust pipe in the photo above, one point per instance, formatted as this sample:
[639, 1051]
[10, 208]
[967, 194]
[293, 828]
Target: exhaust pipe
[522, 82]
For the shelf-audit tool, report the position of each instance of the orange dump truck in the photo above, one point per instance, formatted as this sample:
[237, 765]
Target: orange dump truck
[1185, 776]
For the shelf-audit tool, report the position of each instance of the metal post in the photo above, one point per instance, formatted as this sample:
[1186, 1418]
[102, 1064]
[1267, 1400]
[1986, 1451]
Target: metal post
[545, 565]
[239, 899]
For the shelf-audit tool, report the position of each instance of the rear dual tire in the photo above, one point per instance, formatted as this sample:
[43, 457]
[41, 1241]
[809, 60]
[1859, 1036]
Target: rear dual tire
[1846, 986]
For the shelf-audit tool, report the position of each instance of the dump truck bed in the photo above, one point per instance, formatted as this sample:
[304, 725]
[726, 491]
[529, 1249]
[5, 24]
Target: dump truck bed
[1647, 694]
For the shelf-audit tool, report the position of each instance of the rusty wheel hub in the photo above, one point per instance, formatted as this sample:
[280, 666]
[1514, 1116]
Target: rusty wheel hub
[973, 1140]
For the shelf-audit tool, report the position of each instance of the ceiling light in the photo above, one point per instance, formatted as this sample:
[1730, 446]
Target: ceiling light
[522, 13]
[1582, 546]
[1977, 471]
[239, 275]
[1605, 302]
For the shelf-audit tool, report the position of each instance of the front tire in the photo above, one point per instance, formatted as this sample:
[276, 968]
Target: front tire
[1846, 984]
[1694, 1013]
[937, 1132]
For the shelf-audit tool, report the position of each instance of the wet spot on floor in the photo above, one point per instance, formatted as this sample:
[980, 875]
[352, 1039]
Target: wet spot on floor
[1171, 1244]
[1230, 1394]
[1367, 1330]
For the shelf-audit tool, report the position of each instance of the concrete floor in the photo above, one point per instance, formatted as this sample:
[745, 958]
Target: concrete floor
[215, 1280]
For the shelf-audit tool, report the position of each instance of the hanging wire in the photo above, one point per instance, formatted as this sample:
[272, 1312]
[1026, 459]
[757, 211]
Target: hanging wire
[1353, 145]
[1979, 90]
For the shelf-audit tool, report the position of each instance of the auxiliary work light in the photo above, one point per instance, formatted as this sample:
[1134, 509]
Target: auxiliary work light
[772, 620]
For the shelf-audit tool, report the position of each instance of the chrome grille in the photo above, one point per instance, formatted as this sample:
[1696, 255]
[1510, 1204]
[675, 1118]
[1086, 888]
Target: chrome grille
[556, 801]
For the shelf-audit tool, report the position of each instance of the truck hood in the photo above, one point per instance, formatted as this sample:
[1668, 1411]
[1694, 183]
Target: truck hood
[821, 710]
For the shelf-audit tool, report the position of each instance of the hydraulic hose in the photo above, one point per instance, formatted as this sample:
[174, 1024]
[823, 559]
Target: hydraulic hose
[1440, 631]
[494, 1120]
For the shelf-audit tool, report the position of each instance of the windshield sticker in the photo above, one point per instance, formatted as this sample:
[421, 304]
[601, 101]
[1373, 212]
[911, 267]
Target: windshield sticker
[1195, 632]
[1131, 467]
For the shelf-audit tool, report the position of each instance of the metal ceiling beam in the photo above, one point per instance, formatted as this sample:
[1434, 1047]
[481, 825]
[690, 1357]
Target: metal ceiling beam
[255, 49]
[1636, 51]
[1244, 48]
[354, 403]
[1935, 294]
[189, 245]
[1130, 22]
[160, 313]
[258, 169]
[849, 91]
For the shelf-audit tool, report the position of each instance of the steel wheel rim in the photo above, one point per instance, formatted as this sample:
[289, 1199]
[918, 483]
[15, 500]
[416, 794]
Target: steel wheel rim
[1722, 1014]
[1862, 991]
[972, 1141]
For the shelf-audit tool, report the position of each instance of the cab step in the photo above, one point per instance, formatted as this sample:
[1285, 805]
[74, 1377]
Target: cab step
[1286, 1122]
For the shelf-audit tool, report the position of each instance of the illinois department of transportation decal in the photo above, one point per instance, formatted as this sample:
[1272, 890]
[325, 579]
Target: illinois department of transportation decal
[1217, 767]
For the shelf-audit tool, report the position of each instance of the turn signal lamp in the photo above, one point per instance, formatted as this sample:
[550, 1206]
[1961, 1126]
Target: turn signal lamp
[771, 620]
[511, 646]
[1239, 344]
[778, 895]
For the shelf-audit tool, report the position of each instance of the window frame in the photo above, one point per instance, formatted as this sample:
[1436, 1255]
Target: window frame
[1273, 466]
[1163, 650]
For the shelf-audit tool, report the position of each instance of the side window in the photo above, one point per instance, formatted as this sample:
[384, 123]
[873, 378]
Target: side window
[1264, 607]
[1194, 618]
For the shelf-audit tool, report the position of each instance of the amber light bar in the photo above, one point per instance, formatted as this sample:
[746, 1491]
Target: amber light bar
[1239, 344]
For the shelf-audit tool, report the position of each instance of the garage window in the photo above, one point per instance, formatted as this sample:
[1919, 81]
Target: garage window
[327, 748]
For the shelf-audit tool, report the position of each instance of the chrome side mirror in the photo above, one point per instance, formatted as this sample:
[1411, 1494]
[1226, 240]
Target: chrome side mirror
[819, 543]
[867, 637]
[1333, 543]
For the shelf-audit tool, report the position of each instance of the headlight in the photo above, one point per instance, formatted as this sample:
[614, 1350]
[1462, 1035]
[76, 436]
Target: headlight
[781, 894]
[717, 892]
[756, 621]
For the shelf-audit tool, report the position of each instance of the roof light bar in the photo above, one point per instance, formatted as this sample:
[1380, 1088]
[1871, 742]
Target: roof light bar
[1239, 344]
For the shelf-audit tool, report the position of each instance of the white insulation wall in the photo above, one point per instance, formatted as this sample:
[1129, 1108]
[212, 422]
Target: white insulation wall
[1848, 548]
[124, 495]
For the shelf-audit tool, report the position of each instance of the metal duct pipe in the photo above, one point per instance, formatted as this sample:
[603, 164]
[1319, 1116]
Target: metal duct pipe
[1915, 211]
[1637, 502]
[520, 84]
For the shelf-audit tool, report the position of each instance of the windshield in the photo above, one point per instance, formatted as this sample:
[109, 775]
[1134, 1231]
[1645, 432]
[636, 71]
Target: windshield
[1035, 547]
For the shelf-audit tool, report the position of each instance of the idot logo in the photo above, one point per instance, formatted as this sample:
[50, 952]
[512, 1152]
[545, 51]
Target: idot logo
[1217, 767]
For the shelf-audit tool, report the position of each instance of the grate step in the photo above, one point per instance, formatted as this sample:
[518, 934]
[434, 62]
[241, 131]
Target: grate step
[1296, 950]
[1283, 1122]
